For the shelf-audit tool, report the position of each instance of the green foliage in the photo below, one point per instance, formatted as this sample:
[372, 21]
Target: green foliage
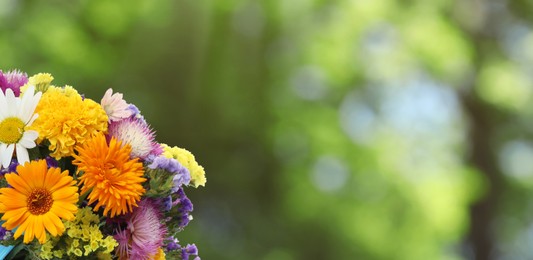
[159, 182]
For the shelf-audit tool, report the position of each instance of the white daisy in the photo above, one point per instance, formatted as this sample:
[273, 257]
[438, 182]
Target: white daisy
[17, 113]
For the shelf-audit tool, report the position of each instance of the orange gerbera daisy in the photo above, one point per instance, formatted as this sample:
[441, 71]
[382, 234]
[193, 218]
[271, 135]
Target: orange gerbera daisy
[39, 197]
[115, 180]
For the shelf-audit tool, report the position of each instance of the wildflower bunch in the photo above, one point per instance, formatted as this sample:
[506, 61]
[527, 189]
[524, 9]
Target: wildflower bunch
[87, 179]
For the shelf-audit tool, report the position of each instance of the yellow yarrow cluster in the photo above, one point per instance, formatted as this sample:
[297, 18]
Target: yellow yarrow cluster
[83, 238]
[41, 81]
[66, 120]
[186, 159]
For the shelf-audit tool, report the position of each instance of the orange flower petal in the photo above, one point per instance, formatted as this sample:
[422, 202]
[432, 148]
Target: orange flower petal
[32, 206]
[52, 223]
[18, 183]
[115, 181]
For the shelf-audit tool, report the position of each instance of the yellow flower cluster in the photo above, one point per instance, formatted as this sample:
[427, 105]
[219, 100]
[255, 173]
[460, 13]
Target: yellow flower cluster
[66, 120]
[41, 81]
[160, 255]
[186, 159]
[84, 237]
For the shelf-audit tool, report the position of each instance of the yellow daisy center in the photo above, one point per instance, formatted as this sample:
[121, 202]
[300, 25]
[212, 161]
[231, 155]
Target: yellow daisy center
[11, 130]
[40, 201]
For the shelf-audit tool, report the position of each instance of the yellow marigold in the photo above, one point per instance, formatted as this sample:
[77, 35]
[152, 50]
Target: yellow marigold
[114, 181]
[186, 159]
[67, 120]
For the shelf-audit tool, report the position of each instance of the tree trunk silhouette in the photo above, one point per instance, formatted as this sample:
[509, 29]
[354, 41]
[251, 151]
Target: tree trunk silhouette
[482, 155]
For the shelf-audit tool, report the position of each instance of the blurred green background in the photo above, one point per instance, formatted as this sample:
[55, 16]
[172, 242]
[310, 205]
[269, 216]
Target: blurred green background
[364, 129]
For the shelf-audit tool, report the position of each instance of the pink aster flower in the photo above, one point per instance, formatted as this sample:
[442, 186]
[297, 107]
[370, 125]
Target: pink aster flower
[115, 106]
[138, 134]
[144, 233]
[13, 80]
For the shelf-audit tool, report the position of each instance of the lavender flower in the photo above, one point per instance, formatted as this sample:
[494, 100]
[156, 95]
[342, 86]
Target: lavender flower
[135, 112]
[3, 233]
[189, 250]
[184, 206]
[51, 162]
[167, 203]
[181, 174]
[181, 252]
[173, 244]
[11, 168]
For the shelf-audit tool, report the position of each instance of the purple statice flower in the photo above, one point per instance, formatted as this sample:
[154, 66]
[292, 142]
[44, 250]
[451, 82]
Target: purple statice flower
[189, 250]
[144, 232]
[181, 174]
[11, 168]
[3, 233]
[184, 252]
[184, 206]
[135, 112]
[167, 203]
[13, 80]
[51, 162]
[173, 244]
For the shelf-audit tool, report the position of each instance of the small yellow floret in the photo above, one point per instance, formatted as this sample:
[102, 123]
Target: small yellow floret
[104, 256]
[46, 250]
[160, 255]
[186, 159]
[58, 253]
[84, 238]
[41, 81]
[109, 243]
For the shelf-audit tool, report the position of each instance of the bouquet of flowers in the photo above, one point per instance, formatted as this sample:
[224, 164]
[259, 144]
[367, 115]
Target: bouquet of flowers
[82, 179]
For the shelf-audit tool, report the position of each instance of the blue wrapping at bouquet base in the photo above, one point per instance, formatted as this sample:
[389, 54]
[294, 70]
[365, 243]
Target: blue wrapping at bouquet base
[4, 250]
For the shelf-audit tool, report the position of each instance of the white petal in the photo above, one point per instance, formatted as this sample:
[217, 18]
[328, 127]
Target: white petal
[107, 97]
[30, 90]
[3, 148]
[11, 102]
[28, 139]
[6, 155]
[3, 105]
[26, 143]
[28, 104]
[30, 135]
[35, 116]
[25, 101]
[35, 101]
[22, 155]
